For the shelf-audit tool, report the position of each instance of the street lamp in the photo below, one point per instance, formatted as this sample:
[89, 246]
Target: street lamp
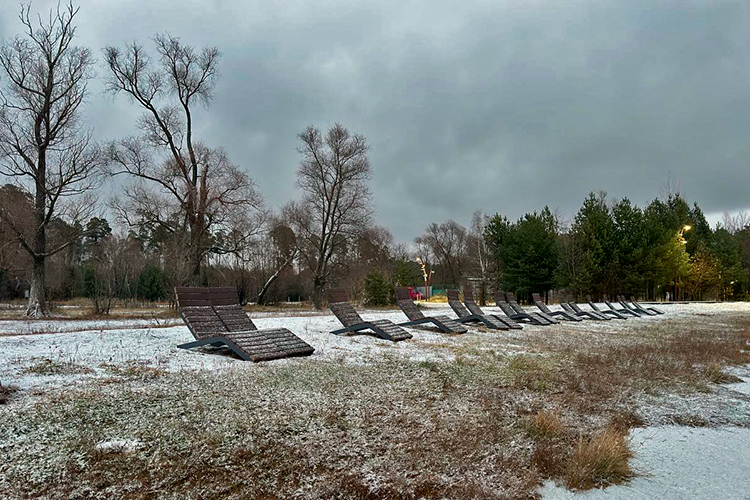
[424, 274]
[681, 233]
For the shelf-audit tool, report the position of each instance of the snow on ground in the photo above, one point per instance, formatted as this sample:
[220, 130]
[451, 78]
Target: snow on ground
[90, 346]
[679, 463]
[31, 326]
[84, 348]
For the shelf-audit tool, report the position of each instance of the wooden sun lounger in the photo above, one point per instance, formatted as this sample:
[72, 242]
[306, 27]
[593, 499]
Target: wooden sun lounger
[573, 308]
[464, 316]
[532, 318]
[638, 306]
[621, 311]
[229, 310]
[624, 303]
[416, 317]
[216, 325]
[475, 309]
[338, 303]
[610, 312]
[539, 303]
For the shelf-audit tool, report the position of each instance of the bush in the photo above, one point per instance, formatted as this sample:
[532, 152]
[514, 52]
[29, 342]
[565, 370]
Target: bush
[151, 284]
[377, 288]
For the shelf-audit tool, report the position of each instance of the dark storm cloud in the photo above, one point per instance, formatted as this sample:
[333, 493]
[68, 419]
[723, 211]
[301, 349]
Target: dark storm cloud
[504, 106]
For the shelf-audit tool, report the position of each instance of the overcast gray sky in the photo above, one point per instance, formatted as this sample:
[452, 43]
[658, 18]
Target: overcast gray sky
[500, 105]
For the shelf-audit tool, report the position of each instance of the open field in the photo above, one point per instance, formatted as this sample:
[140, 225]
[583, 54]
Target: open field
[114, 410]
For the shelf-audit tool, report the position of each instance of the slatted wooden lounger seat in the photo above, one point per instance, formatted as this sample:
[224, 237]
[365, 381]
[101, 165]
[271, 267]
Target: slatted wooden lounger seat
[621, 311]
[210, 325]
[624, 303]
[539, 303]
[610, 312]
[416, 317]
[464, 316]
[569, 307]
[229, 310]
[475, 309]
[638, 306]
[531, 318]
[339, 304]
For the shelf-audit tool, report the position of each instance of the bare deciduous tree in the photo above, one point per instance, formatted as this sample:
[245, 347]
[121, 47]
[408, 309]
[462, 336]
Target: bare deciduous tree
[182, 185]
[478, 253]
[447, 242]
[735, 224]
[42, 144]
[336, 205]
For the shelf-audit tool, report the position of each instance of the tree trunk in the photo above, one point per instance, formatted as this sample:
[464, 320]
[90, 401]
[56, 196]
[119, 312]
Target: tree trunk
[482, 293]
[196, 257]
[269, 282]
[37, 300]
[318, 293]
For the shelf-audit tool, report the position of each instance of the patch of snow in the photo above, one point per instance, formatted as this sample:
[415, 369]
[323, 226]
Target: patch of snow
[679, 463]
[119, 446]
[31, 326]
[741, 387]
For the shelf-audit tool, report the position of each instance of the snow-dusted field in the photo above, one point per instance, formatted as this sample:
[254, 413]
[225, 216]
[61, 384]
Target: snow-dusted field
[91, 343]
[41, 357]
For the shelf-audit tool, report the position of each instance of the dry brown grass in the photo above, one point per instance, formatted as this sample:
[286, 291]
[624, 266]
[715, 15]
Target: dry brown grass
[6, 391]
[133, 370]
[484, 426]
[46, 366]
[600, 460]
[546, 425]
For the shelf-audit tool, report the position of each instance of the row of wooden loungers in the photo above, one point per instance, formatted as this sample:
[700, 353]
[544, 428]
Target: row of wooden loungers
[215, 318]
[571, 311]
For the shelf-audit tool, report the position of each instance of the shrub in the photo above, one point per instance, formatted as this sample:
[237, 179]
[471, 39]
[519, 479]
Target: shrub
[377, 288]
[151, 284]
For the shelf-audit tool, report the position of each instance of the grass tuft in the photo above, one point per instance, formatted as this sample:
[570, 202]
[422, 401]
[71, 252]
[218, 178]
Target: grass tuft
[716, 375]
[46, 366]
[546, 425]
[599, 461]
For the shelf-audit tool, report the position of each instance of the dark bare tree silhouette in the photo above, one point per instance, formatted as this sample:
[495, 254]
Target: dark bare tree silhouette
[336, 205]
[182, 185]
[43, 146]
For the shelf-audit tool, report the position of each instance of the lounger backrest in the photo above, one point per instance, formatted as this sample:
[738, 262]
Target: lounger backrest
[196, 310]
[338, 303]
[469, 301]
[226, 303]
[404, 301]
[566, 307]
[454, 300]
[540, 303]
[575, 307]
[502, 302]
